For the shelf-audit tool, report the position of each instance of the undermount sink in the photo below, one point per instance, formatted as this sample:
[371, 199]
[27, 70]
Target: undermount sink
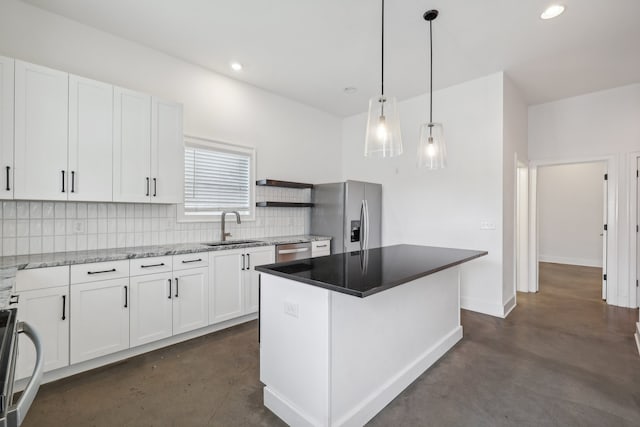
[230, 242]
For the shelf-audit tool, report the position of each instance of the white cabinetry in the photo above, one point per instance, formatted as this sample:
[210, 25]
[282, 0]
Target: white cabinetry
[44, 303]
[167, 152]
[255, 257]
[320, 248]
[41, 124]
[90, 140]
[132, 146]
[190, 299]
[100, 313]
[151, 308]
[6, 127]
[234, 284]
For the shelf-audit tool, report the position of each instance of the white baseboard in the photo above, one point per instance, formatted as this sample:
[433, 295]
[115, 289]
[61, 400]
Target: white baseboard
[637, 335]
[286, 411]
[509, 306]
[380, 398]
[131, 352]
[586, 262]
[482, 306]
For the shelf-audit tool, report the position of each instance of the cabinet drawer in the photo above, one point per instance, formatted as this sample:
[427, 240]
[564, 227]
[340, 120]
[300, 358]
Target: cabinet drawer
[83, 273]
[41, 278]
[158, 264]
[320, 248]
[195, 260]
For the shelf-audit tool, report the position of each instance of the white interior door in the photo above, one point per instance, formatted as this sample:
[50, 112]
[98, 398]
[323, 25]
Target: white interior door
[41, 132]
[167, 152]
[605, 189]
[90, 140]
[6, 127]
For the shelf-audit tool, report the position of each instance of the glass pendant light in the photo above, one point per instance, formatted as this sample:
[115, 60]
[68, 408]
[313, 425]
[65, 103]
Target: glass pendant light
[383, 124]
[432, 152]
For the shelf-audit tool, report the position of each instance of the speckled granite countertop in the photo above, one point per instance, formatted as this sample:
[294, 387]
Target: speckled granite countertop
[23, 262]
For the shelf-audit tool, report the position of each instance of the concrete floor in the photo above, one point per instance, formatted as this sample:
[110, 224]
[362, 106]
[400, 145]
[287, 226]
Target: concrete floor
[562, 358]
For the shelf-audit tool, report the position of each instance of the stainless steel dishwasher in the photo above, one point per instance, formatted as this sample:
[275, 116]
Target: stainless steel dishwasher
[293, 251]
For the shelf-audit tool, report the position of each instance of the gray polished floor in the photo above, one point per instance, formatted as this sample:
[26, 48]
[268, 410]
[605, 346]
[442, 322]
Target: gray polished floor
[562, 358]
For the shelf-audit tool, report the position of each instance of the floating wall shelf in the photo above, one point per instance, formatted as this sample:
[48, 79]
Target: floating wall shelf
[285, 184]
[283, 205]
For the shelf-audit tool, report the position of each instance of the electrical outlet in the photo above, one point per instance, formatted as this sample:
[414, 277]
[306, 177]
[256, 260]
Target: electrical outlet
[291, 308]
[79, 227]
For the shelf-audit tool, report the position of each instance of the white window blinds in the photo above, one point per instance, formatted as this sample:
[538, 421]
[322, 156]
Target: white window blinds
[216, 180]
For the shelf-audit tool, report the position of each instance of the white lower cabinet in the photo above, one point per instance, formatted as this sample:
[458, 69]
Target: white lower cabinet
[100, 318]
[151, 308]
[47, 310]
[234, 283]
[190, 299]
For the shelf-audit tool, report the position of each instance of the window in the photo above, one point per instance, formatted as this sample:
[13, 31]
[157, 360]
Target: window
[217, 177]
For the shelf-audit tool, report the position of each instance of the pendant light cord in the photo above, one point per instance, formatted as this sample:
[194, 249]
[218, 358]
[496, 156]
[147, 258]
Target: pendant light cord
[382, 53]
[430, 73]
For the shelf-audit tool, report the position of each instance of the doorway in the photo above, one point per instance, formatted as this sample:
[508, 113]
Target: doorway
[570, 206]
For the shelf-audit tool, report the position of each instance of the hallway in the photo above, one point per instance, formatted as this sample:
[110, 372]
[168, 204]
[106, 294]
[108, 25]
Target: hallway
[562, 358]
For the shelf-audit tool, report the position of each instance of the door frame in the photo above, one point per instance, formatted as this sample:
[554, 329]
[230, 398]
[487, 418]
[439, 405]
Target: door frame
[521, 257]
[612, 218]
[634, 268]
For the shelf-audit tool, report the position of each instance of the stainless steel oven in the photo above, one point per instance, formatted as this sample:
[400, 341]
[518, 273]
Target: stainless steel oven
[12, 415]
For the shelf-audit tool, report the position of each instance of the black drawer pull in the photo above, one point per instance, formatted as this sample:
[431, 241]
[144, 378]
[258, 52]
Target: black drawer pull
[8, 188]
[169, 297]
[64, 303]
[126, 297]
[147, 186]
[321, 246]
[62, 181]
[155, 187]
[100, 272]
[152, 265]
[73, 181]
[177, 289]
[191, 260]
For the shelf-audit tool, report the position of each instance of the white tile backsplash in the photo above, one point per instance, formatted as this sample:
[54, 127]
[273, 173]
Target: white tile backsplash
[37, 226]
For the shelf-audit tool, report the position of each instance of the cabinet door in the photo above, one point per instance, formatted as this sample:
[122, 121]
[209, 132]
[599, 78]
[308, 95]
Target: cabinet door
[47, 310]
[6, 127]
[100, 313]
[167, 152]
[131, 146]
[151, 308]
[190, 300]
[41, 125]
[255, 257]
[90, 140]
[225, 295]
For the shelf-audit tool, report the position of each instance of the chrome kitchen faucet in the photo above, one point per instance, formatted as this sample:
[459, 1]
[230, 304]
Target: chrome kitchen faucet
[224, 213]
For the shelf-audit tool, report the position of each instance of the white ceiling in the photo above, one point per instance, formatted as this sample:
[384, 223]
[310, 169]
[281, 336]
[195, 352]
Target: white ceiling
[310, 50]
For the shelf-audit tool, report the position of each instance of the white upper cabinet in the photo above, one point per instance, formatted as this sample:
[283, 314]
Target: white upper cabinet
[90, 140]
[6, 127]
[132, 146]
[41, 124]
[167, 152]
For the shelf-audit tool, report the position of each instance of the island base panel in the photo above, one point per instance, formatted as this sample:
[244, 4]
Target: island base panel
[331, 359]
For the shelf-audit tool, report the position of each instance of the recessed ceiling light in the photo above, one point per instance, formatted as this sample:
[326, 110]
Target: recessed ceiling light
[350, 90]
[236, 66]
[552, 11]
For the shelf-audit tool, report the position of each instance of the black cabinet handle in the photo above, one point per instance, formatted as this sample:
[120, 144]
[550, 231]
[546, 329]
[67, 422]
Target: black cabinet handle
[155, 187]
[243, 261]
[248, 262]
[62, 181]
[147, 186]
[73, 181]
[152, 265]
[177, 289]
[100, 272]
[8, 188]
[14, 299]
[126, 297]
[191, 260]
[169, 297]
[64, 303]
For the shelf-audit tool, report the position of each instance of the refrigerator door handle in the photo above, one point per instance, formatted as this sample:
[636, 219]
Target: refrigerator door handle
[366, 220]
[362, 220]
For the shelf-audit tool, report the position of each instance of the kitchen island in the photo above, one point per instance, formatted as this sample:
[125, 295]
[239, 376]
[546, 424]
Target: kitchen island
[342, 335]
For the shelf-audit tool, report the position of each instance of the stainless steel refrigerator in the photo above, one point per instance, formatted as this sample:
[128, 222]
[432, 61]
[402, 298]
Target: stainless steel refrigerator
[349, 212]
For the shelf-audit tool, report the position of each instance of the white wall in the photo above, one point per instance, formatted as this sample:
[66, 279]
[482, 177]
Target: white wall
[570, 213]
[286, 134]
[445, 207]
[515, 119]
[600, 124]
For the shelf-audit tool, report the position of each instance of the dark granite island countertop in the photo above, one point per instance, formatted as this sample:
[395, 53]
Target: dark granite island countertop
[364, 273]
